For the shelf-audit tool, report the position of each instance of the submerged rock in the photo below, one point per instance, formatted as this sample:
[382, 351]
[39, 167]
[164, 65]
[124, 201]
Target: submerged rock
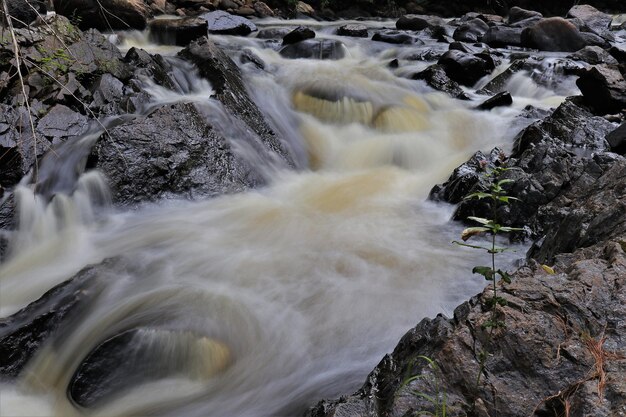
[394, 37]
[501, 99]
[314, 49]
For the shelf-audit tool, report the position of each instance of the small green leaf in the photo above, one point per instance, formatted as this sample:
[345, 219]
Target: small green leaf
[478, 196]
[504, 181]
[506, 198]
[485, 271]
[510, 229]
[505, 276]
[470, 246]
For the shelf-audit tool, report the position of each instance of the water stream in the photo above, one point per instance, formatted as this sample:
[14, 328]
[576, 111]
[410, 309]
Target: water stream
[261, 303]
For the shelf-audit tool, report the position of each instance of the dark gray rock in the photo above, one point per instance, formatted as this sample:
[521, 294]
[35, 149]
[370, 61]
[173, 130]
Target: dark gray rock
[98, 14]
[435, 76]
[593, 20]
[177, 31]
[299, 34]
[517, 14]
[466, 68]
[314, 49]
[61, 123]
[617, 139]
[354, 30]
[395, 37]
[25, 332]
[553, 34]
[502, 36]
[272, 33]
[603, 88]
[501, 99]
[471, 31]
[25, 12]
[223, 23]
[594, 55]
[418, 22]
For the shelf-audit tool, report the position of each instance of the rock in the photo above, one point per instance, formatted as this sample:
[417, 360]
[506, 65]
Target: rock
[127, 359]
[354, 30]
[617, 139]
[502, 36]
[553, 34]
[263, 10]
[535, 364]
[299, 34]
[394, 37]
[304, 8]
[228, 5]
[314, 49]
[223, 23]
[593, 20]
[470, 31]
[418, 22]
[272, 33]
[245, 11]
[436, 77]
[594, 55]
[177, 31]
[97, 13]
[61, 123]
[526, 23]
[25, 332]
[501, 99]
[603, 88]
[593, 39]
[465, 68]
[517, 14]
[25, 12]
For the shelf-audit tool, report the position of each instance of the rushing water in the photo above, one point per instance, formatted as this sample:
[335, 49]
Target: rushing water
[261, 303]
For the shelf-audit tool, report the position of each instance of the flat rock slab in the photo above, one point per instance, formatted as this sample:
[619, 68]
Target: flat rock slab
[223, 23]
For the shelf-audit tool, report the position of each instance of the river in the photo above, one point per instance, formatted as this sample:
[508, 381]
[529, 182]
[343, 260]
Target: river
[263, 302]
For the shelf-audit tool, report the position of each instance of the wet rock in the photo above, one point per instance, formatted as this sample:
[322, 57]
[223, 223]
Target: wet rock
[25, 332]
[501, 99]
[466, 68]
[435, 76]
[418, 22]
[299, 34]
[272, 33]
[593, 20]
[394, 37]
[61, 122]
[97, 13]
[517, 14]
[594, 55]
[127, 359]
[177, 31]
[553, 34]
[470, 31]
[617, 139]
[25, 12]
[314, 49]
[539, 361]
[355, 30]
[245, 11]
[502, 36]
[263, 10]
[304, 8]
[603, 88]
[223, 23]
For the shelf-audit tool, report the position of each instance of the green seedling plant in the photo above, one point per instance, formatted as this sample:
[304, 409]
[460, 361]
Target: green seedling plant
[496, 195]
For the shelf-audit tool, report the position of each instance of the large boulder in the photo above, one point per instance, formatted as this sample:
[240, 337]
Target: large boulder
[224, 23]
[104, 14]
[603, 88]
[466, 68]
[436, 77]
[592, 20]
[470, 31]
[315, 49]
[553, 34]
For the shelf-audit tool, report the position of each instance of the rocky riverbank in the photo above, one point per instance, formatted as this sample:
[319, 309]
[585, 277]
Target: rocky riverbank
[562, 350]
